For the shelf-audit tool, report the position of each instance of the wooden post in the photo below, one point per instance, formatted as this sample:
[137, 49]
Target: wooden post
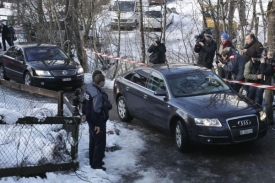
[60, 104]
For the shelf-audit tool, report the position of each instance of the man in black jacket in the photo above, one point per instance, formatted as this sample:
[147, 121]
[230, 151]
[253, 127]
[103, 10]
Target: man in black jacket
[252, 47]
[206, 50]
[158, 51]
[5, 35]
[97, 108]
[267, 69]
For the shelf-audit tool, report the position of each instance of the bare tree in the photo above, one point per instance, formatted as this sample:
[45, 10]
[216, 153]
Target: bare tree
[141, 30]
[271, 24]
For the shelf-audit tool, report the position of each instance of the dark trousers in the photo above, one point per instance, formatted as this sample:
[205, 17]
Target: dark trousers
[269, 98]
[97, 146]
[236, 87]
[4, 39]
[256, 94]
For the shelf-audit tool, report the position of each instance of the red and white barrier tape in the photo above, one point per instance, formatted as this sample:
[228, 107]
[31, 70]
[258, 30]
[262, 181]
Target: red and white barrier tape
[268, 87]
[117, 58]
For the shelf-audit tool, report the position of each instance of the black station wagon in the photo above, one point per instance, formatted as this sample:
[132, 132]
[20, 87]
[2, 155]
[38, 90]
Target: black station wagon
[40, 65]
[190, 102]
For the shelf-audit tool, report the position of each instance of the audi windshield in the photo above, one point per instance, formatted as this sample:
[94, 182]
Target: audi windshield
[196, 83]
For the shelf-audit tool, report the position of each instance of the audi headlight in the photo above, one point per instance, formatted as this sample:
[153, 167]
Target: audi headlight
[262, 115]
[80, 70]
[208, 122]
[42, 73]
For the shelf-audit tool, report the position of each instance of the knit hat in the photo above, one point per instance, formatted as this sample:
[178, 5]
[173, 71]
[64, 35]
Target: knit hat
[224, 35]
[157, 38]
[208, 35]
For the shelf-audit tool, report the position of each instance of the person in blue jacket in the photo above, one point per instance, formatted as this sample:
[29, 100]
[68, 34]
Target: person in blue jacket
[97, 106]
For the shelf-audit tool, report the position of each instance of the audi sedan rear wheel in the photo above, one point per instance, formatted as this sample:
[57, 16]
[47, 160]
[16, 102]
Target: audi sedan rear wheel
[181, 137]
[122, 110]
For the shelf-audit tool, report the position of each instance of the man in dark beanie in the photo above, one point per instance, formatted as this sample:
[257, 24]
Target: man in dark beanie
[5, 35]
[158, 51]
[206, 50]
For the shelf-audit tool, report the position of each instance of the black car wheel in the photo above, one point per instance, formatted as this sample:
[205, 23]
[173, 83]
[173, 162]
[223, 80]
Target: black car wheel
[181, 137]
[27, 79]
[122, 110]
[2, 73]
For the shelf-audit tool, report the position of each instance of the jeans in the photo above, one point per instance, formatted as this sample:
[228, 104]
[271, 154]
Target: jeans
[255, 94]
[269, 97]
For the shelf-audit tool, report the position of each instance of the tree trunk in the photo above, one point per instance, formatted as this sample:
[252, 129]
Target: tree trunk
[141, 30]
[231, 11]
[263, 19]
[164, 22]
[271, 24]
[241, 9]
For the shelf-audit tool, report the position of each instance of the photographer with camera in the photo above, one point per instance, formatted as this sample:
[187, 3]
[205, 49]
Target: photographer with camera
[267, 68]
[234, 63]
[158, 51]
[206, 47]
[253, 74]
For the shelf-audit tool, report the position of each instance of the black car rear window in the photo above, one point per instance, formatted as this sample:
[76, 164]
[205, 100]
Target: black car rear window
[153, 14]
[44, 53]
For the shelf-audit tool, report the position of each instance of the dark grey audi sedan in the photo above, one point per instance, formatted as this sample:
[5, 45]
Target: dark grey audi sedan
[42, 65]
[190, 102]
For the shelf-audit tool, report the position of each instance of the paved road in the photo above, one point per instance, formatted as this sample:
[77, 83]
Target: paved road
[251, 162]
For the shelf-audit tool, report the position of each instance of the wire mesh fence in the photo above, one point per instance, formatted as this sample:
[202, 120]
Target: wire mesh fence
[35, 138]
[27, 104]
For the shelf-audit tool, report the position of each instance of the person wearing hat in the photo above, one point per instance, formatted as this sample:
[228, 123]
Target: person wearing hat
[157, 50]
[252, 74]
[225, 42]
[206, 50]
[234, 63]
[5, 34]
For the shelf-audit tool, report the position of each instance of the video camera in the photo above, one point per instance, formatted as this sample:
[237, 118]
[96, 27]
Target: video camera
[200, 37]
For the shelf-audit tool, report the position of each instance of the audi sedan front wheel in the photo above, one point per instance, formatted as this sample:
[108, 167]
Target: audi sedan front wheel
[181, 137]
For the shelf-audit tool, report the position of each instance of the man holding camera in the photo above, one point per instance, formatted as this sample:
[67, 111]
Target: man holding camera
[253, 74]
[234, 63]
[267, 68]
[158, 51]
[206, 48]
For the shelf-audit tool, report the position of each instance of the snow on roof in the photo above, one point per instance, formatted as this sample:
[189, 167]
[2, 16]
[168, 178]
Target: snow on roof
[155, 8]
[6, 12]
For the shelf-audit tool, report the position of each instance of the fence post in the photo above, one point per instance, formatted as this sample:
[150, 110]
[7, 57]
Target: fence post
[60, 104]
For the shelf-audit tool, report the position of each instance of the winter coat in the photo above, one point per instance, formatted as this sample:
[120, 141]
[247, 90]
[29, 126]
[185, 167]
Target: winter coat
[206, 53]
[251, 71]
[254, 48]
[5, 31]
[96, 106]
[227, 44]
[235, 65]
[267, 69]
[158, 53]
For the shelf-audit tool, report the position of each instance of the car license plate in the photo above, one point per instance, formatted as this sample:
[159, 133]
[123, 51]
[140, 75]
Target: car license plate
[66, 79]
[244, 132]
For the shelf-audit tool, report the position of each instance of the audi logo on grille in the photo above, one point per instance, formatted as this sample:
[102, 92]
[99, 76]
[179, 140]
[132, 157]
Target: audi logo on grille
[64, 72]
[244, 122]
